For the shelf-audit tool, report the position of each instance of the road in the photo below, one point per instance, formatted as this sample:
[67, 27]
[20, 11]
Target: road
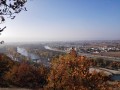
[103, 57]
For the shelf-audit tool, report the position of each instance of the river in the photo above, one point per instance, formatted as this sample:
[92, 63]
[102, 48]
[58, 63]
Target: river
[25, 53]
[34, 57]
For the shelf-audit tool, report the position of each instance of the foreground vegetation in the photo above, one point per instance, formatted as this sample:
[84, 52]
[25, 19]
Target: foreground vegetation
[67, 72]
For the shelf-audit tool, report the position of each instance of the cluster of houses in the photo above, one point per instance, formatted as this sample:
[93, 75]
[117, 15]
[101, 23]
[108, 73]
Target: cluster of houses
[98, 49]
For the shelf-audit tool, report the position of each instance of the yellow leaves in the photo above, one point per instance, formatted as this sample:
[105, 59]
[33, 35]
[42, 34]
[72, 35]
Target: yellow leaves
[71, 72]
[69, 69]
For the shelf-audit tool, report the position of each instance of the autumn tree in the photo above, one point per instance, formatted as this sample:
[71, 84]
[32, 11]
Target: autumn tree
[5, 65]
[26, 75]
[71, 72]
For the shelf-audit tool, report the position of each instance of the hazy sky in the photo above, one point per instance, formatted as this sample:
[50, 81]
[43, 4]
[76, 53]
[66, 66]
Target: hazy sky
[65, 20]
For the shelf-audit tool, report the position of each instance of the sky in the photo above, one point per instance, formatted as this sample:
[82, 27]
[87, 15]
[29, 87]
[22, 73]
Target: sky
[65, 20]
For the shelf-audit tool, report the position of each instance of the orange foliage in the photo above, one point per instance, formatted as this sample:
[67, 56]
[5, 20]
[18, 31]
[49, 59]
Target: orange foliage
[27, 75]
[5, 65]
[72, 73]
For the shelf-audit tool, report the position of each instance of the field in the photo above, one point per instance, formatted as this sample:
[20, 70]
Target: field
[111, 54]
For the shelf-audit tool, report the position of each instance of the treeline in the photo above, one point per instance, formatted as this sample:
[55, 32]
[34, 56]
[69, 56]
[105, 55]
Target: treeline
[100, 62]
[67, 72]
